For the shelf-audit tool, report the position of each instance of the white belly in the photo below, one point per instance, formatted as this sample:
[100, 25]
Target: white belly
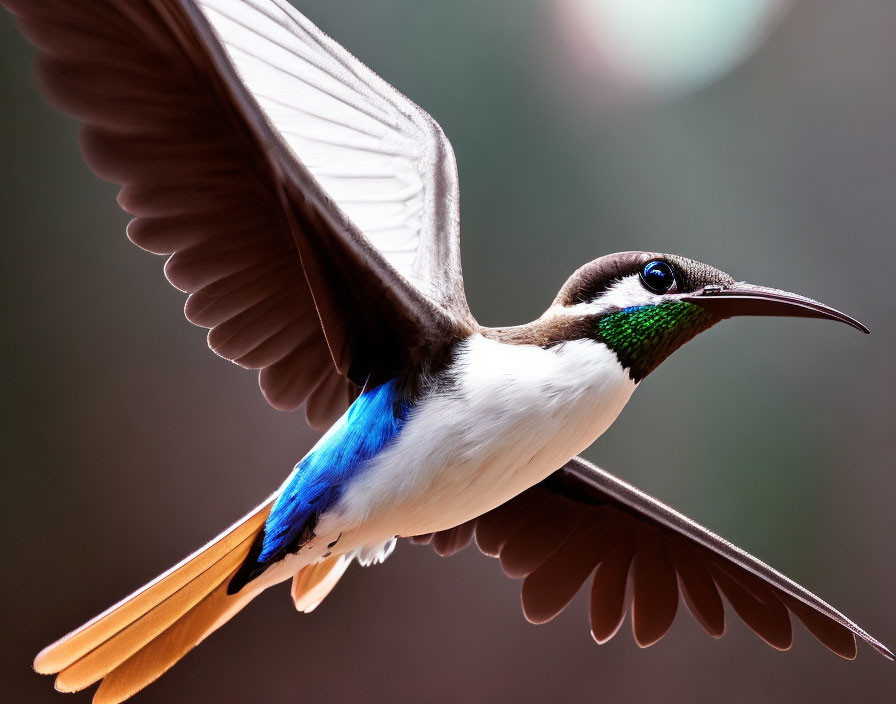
[514, 415]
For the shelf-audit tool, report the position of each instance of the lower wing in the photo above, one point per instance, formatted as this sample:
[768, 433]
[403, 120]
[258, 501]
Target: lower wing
[583, 520]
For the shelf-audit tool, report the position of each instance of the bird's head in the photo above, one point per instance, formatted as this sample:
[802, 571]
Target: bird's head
[644, 306]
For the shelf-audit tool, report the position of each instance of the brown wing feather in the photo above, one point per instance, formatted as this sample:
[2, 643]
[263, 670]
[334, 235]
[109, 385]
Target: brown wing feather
[280, 276]
[655, 592]
[698, 590]
[582, 520]
[531, 546]
[765, 615]
[550, 588]
[608, 595]
[328, 401]
[452, 541]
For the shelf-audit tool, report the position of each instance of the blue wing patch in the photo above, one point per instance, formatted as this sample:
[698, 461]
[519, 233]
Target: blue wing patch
[317, 482]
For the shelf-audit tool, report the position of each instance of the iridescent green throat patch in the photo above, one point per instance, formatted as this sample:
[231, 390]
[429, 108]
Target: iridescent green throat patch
[643, 336]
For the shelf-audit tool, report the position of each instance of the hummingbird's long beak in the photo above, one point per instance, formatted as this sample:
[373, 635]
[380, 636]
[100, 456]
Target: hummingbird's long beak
[747, 299]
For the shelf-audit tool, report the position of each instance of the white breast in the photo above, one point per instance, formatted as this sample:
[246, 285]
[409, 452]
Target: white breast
[514, 414]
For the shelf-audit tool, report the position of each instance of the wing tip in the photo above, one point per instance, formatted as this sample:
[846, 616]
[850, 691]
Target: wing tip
[882, 649]
[43, 662]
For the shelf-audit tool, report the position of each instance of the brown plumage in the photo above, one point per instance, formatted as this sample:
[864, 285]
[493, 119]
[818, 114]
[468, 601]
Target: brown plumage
[140, 638]
[156, 657]
[250, 235]
[641, 555]
[178, 608]
[289, 285]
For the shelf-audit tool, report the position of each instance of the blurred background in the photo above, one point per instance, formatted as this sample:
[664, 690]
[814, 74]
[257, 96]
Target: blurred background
[758, 138]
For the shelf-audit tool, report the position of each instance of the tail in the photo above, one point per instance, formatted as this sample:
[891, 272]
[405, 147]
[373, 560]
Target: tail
[134, 642]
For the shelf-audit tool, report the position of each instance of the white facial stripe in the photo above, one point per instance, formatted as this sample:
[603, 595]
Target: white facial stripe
[625, 293]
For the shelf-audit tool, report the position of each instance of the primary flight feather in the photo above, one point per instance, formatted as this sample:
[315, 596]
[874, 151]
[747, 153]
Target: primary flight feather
[311, 213]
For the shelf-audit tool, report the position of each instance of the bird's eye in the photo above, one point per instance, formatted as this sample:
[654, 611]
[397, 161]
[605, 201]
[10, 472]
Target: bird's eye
[658, 276]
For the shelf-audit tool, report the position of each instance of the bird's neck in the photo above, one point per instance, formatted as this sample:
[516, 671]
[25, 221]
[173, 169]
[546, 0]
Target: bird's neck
[640, 336]
[528, 383]
[643, 336]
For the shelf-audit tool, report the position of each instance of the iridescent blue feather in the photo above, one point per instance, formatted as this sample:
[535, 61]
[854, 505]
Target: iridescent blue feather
[372, 422]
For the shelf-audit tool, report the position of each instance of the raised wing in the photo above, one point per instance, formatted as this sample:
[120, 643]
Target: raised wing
[310, 210]
[383, 160]
[583, 520]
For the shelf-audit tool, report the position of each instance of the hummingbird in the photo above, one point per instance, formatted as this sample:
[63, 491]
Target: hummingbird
[311, 213]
